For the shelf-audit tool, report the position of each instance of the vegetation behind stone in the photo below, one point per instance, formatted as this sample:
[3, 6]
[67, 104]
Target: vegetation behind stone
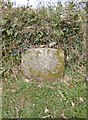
[25, 27]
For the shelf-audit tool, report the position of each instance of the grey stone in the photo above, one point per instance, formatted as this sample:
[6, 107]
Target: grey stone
[43, 63]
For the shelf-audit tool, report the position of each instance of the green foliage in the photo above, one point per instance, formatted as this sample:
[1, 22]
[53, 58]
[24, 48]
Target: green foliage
[30, 100]
[24, 27]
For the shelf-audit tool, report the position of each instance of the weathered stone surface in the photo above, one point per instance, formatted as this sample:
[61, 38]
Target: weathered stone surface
[43, 63]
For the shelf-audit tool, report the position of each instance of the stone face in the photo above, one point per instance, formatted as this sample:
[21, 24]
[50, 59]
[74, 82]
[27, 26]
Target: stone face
[43, 63]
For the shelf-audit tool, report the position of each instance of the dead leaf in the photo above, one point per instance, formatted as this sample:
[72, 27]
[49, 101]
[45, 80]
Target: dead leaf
[13, 90]
[42, 46]
[46, 110]
[62, 115]
[15, 70]
[22, 102]
[70, 85]
[33, 105]
[73, 104]
[81, 99]
[66, 78]
[61, 94]
[27, 80]
[46, 116]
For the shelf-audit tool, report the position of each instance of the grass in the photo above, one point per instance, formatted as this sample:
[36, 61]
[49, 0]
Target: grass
[50, 99]
[21, 99]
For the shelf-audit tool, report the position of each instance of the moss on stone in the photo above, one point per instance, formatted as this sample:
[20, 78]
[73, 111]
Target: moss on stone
[58, 72]
[60, 57]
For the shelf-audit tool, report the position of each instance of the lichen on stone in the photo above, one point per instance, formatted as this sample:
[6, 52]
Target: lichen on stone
[51, 59]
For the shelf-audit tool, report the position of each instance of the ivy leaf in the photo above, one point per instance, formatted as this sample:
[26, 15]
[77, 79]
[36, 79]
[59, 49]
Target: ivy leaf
[9, 32]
